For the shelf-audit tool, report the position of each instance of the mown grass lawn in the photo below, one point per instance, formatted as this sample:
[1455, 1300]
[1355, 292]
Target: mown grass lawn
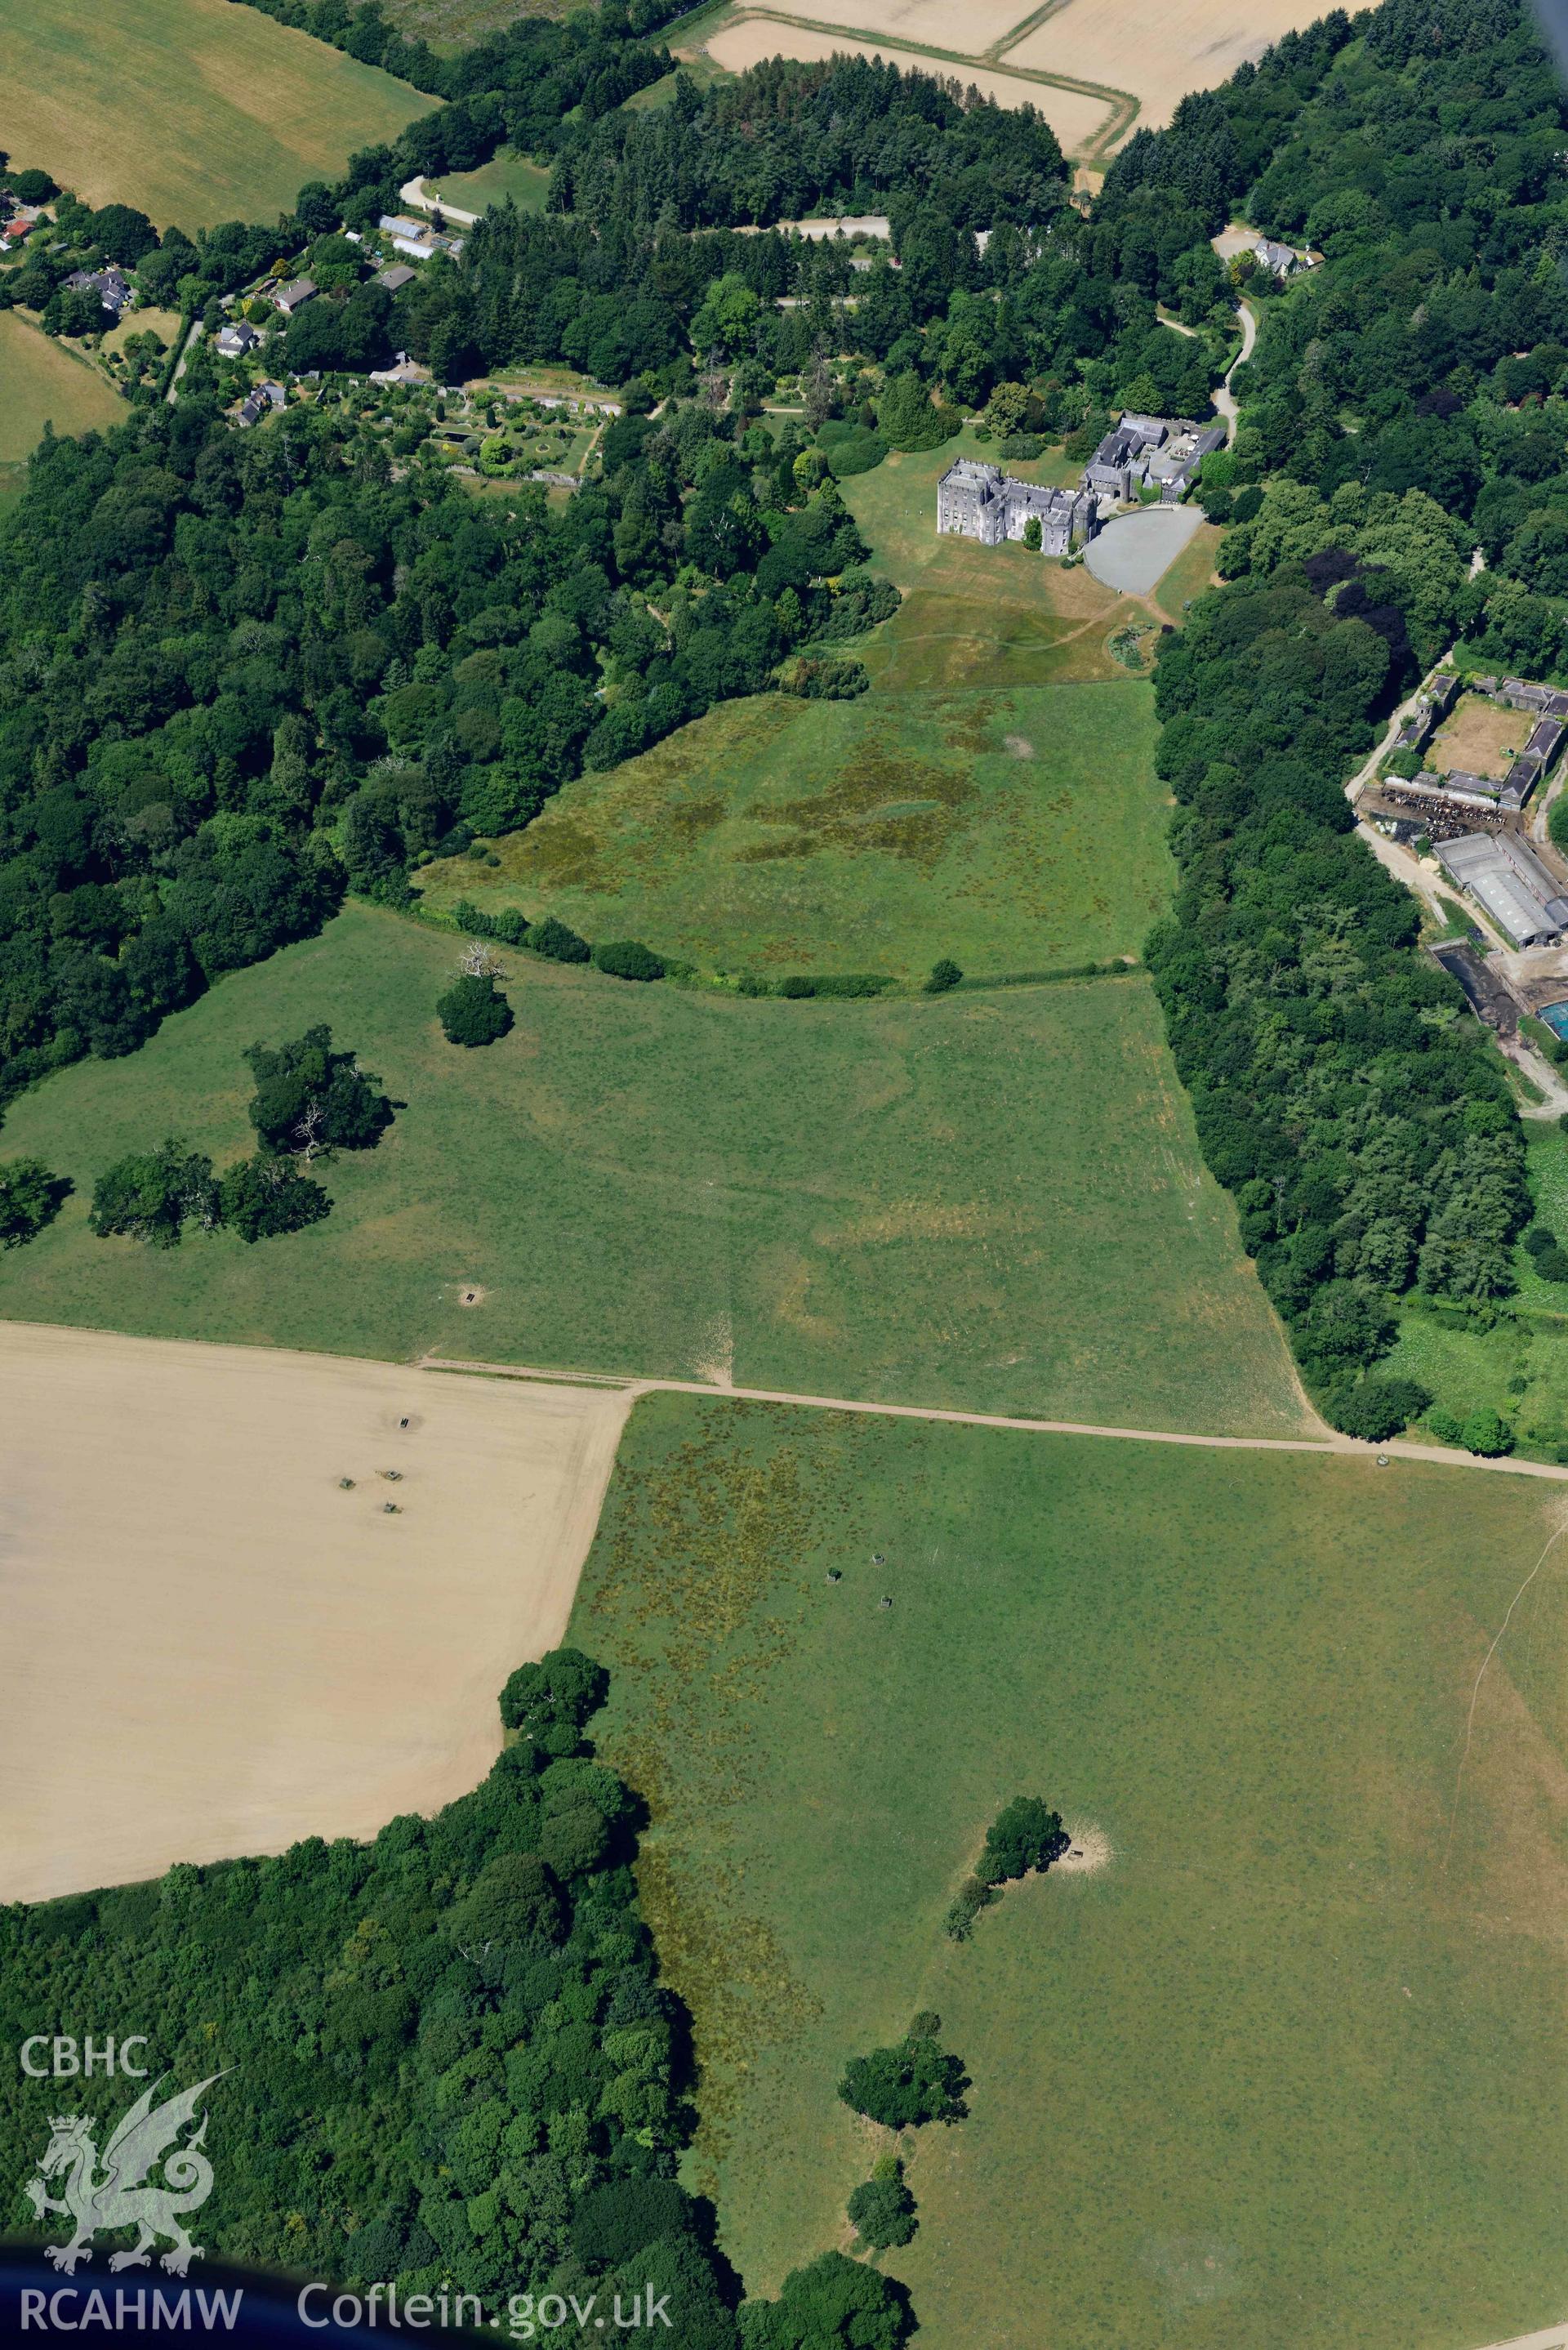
[983, 1200]
[193, 110]
[1282, 2073]
[1012, 830]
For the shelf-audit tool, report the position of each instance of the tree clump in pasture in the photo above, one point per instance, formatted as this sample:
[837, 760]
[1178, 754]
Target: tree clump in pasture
[151, 1196]
[474, 1011]
[309, 1098]
[265, 1197]
[832, 2304]
[30, 1197]
[915, 2082]
[1025, 1835]
[881, 2211]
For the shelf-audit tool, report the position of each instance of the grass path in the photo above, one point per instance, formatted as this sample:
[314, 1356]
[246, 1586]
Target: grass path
[1396, 1448]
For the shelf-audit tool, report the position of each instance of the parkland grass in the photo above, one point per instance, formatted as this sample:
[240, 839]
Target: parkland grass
[193, 110]
[1012, 830]
[42, 383]
[1255, 2081]
[992, 1200]
[505, 178]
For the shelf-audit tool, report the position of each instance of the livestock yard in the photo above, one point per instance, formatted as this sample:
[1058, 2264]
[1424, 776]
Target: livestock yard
[1251, 2081]
[228, 1627]
[193, 110]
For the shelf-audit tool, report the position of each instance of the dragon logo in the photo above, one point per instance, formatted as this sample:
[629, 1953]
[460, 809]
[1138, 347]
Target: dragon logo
[117, 2196]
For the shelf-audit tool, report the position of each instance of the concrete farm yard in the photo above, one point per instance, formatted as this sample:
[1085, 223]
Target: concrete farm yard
[263, 1634]
[1253, 2081]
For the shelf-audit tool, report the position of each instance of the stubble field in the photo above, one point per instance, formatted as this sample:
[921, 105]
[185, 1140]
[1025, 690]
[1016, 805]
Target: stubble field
[193, 110]
[1077, 117]
[213, 1647]
[1282, 2071]
[1158, 55]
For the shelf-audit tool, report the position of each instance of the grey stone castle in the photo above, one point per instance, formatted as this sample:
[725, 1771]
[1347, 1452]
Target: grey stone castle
[979, 501]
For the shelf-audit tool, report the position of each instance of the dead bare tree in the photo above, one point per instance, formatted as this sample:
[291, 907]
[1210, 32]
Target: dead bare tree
[479, 963]
[308, 1134]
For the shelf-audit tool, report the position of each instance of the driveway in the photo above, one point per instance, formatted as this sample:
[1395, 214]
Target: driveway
[1138, 549]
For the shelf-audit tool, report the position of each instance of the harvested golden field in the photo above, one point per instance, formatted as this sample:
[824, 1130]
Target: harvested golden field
[743, 40]
[934, 24]
[213, 1647]
[1158, 54]
[193, 110]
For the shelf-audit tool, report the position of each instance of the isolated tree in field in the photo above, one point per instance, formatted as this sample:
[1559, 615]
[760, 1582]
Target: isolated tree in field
[149, 1195]
[550, 1702]
[882, 2209]
[474, 1011]
[901, 2088]
[944, 974]
[1027, 1833]
[833, 2302]
[309, 1098]
[263, 1198]
[30, 1197]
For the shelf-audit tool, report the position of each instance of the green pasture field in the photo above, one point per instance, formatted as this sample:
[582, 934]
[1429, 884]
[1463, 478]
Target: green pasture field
[1017, 830]
[1281, 2073]
[453, 25]
[193, 110]
[988, 1201]
[40, 383]
[505, 175]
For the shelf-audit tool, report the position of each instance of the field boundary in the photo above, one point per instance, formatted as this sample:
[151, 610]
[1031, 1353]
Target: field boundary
[1330, 1442]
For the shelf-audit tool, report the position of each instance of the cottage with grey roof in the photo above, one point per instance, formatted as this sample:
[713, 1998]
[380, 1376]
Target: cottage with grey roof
[288, 298]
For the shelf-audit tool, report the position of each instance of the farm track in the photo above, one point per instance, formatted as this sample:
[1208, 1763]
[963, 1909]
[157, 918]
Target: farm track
[1328, 1444]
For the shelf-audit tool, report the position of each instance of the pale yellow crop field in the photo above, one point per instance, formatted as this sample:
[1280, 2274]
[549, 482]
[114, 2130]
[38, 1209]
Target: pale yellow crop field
[212, 1647]
[1075, 118]
[939, 23]
[1159, 54]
